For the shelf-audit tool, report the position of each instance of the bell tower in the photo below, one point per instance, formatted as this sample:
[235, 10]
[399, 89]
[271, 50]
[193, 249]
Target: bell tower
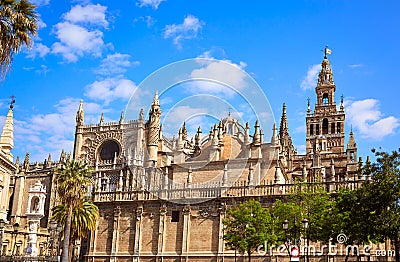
[325, 126]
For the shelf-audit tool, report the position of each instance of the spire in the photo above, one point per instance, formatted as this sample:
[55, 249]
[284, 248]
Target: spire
[198, 137]
[284, 124]
[102, 119]
[80, 115]
[26, 162]
[274, 138]
[156, 101]
[256, 136]
[308, 106]
[246, 134]
[7, 135]
[184, 132]
[352, 142]
[121, 119]
[63, 156]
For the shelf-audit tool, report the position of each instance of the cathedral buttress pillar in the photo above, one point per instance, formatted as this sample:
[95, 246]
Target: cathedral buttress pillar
[186, 233]
[162, 231]
[115, 238]
[138, 232]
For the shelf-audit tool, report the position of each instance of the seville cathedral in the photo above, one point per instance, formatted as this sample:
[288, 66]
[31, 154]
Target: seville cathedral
[164, 199]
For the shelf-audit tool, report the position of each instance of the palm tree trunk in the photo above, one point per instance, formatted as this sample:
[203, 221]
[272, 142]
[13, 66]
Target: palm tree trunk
[67, 233]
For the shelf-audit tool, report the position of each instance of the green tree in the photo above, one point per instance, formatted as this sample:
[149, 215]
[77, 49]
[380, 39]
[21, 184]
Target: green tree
[84, 217]
[18, 24]
[352, 215]
[309, 202]
[248, 226]
[383, 197]
[72, 179]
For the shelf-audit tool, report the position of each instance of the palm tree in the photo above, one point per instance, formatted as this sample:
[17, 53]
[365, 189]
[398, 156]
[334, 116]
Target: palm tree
[72, 179]
[84, 218]
[18, 24]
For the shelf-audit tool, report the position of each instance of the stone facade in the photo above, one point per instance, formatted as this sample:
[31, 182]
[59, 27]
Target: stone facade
[163, 199]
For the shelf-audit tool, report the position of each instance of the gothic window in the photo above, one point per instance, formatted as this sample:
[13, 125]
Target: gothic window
[339, 128]
[325, 99]
[175, 216]
[325, 126]
[317, 129]
[109, 149]
[311, 129]
[332, 128]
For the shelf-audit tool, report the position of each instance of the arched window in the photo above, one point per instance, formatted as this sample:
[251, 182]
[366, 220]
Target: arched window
[325, 99]
[311, 129]
[325, 126]
[339, 128]
[332, 128]
[317, 129]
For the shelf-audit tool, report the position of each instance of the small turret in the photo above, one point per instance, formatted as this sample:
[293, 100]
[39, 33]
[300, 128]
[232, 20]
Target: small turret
[26, 162]
[102, 119]
[274, 138]
[246, 134]
[351, 150]
[121, 119]
[80, 114]
[256, 136]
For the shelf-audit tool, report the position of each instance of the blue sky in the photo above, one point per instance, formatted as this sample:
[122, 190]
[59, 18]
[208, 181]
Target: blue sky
[100, 51]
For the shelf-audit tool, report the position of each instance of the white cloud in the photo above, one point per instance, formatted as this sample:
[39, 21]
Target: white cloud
[40, 23]
[365, 116]
[310, 80]
[90, 14]
[79, 33]
[193, 116]
[187, 30]
[38, 50]
[152, 3]
[300, 129]
[147, 19]
[110, 89]
[76, 41]
[301, 149]
[40, 2]
[356, 65]
[49, 133]
[115, 64]
[222, 72]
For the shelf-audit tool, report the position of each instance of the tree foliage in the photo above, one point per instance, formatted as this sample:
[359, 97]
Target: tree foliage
[247, 226]
[72, 179]
[18, 25]
[84, 217]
